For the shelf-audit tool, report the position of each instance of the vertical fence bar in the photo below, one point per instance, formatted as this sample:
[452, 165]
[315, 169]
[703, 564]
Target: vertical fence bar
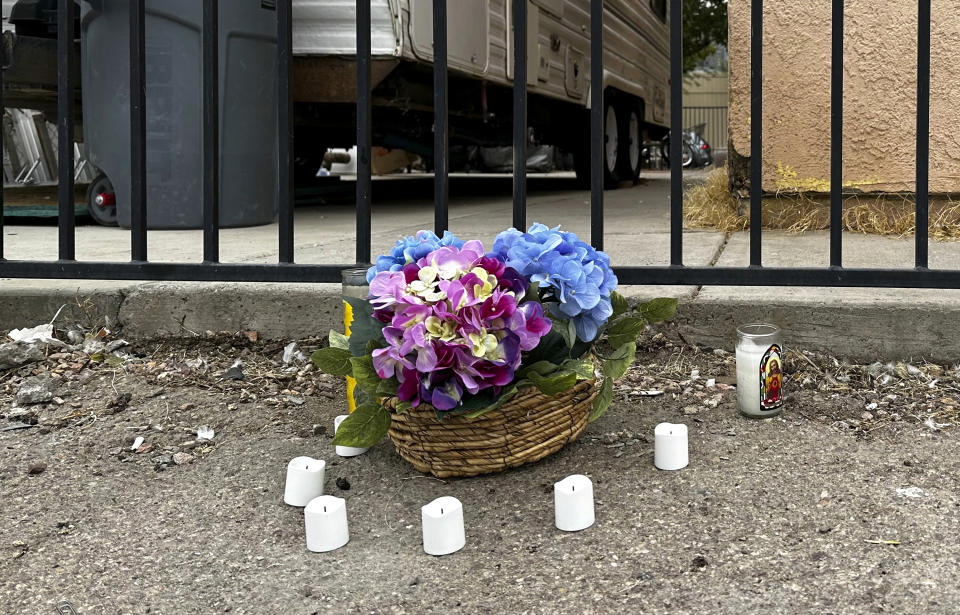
[676, 133]
[756, 129]
[138, 134]
[836, 137]
[520, 114]
[1, 161]
[440, 144]
[364, 131]
[65, 87]
[923, 131]
[596, 124]
[211, 132]
[285, 190]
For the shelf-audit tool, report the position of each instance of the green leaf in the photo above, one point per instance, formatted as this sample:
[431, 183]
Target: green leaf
[551, 348]
[602, 401]
[333, 361]
[364, 326]
[624, 330]
[658, 310]
[364, 427]
[554, 383]
[403, 405]
[366, 377]
[616, 364]
[619, 302]
[581, 348]
[532, 294]
[339, 340]
[571, 335]
[565, 328]
[541, 367]
[470, 402]
[583, 368]
[388, 387]
[505, 396]
[362, 397]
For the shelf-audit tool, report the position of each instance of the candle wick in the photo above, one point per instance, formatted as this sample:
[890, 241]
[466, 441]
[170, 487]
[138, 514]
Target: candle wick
[573, 487]
[324, 509]
[441, 511]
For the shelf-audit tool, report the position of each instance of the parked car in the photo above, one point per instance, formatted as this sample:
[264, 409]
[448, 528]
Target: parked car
[696, 151]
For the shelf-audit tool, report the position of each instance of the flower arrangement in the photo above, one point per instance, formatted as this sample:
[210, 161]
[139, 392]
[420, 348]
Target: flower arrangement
[463, 330]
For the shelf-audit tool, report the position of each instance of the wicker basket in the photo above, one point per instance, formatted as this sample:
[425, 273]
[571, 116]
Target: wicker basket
[525, 429]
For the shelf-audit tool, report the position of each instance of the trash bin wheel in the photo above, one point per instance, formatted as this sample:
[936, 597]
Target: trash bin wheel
[102, 201]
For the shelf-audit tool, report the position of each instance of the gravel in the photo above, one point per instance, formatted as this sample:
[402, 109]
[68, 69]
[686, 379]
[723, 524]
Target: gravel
[35, 391]
[15, 354]
[812, 511]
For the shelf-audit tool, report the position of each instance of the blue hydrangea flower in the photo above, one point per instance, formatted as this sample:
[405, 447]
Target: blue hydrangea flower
[410, 250]
[575, 274]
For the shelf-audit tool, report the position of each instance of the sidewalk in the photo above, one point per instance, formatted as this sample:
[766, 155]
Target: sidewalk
[859, 323]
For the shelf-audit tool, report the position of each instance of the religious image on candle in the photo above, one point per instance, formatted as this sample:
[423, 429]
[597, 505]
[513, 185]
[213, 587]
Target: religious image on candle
[771, 379]
[759, 370]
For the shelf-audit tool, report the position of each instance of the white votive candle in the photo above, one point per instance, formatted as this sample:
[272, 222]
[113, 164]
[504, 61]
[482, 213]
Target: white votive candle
[759, 370]
[573, 503]
[346, 451]
[670, 450]
[443, 526]
[325, 521]
[304, 480]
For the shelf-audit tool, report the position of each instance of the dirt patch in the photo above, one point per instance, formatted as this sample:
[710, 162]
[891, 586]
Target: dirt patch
[823, 509]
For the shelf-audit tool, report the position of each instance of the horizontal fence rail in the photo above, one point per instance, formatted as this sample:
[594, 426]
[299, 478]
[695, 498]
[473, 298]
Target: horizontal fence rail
[285, 270]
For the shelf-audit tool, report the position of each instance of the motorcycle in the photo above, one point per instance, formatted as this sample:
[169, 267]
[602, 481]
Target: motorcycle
[696, 151]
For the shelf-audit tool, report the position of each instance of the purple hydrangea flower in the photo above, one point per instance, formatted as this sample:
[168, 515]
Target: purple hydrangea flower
[453, 324]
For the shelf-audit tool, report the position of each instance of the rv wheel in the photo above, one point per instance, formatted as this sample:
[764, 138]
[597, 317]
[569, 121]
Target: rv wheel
[610, 148]
[631, 142]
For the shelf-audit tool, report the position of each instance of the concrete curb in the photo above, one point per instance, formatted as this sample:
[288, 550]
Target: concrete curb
[859, 330]
[166, 309]
[29, 303]
[273, 310]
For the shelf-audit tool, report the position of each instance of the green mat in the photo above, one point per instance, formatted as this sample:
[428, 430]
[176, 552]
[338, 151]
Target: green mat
[40, 211]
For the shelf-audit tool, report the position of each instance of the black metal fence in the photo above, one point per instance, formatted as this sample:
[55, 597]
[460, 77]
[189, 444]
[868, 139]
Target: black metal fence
[285, 270]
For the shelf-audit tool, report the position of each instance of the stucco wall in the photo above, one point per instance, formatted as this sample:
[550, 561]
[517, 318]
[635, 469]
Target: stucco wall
[879, 94]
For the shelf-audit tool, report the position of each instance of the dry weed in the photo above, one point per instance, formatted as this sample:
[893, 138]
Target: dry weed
[710, 205]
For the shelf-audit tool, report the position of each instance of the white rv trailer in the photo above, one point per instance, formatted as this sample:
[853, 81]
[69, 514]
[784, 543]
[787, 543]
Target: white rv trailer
[480, 60]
